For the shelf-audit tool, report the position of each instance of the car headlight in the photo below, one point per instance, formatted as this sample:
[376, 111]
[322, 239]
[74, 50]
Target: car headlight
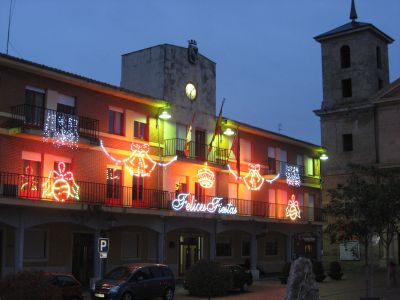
[114, 289]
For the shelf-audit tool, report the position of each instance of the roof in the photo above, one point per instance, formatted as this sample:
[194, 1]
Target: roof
[119, 91]
[350, 27]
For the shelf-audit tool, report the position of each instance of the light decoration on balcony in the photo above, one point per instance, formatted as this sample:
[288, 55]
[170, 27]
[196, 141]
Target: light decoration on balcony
[205, 177]
[60, 185]
[62, 129]
[139, 163]
[29, 181]
[252, 179]
[293, 209]
[293, 175]
[189, 203]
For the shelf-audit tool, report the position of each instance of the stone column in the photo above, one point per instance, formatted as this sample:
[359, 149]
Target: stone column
[19, 248]
[212, 242]
[161, 247]
[318, 242]
[289, 248]
[96, 260]
[253, 257]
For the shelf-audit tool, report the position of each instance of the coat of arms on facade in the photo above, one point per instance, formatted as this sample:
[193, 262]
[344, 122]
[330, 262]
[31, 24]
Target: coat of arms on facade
[192, 51]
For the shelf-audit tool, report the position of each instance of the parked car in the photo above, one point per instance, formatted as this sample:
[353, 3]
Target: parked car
[242, 278]
[71, 289]
[135, 281]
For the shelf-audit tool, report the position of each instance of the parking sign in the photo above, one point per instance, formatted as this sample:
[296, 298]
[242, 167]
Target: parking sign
[104, 245]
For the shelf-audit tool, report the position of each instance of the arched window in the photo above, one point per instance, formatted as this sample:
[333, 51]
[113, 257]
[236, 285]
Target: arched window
[345, 56]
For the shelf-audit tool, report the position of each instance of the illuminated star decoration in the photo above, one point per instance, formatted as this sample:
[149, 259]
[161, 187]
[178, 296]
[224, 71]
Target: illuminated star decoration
[254, 179]
[293, 175]
[293, 209]
[62, 128]
[29, 181]
[60, 185]
[139, 163]
[205, 177]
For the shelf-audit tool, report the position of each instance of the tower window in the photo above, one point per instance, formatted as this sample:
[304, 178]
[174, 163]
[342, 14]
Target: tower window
[378, 57]
[346, 88]
[380, 84]
[347, 142]
[345, 57]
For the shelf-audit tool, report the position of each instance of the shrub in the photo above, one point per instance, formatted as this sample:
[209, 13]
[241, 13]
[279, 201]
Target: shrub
[335, 270]
[319, 271]
[209, 278]
[283, 277]
[28, 286]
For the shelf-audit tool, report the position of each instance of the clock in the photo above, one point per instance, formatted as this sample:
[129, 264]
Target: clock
[191, 92]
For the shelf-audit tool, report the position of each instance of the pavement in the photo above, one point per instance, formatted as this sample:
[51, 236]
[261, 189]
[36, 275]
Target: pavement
[351, 287]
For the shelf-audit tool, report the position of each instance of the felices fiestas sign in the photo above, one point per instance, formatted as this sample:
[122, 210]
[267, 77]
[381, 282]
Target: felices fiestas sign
[188, 203]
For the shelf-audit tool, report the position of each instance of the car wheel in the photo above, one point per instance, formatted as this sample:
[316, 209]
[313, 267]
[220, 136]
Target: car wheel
[245, 287]
[169, 294]
[127, 296]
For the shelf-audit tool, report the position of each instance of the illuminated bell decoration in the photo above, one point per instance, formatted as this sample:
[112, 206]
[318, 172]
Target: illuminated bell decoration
[293, 209]
[60, 185]
[293, 175]
[205, 177]
[253, 179]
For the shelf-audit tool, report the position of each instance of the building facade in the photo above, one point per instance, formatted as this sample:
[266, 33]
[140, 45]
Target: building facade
[82, 159]
[359, 111]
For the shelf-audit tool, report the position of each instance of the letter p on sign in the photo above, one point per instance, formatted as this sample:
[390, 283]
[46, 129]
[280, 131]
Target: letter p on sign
[104, 245]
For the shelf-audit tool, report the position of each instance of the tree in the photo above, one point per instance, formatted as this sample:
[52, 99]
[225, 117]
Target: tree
[367, 204]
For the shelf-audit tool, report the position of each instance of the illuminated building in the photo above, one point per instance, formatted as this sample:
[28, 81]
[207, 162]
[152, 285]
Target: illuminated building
[125, 165]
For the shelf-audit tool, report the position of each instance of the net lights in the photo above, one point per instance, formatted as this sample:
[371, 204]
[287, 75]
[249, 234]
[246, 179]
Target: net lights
[62, 128]
[293, 209]
[253, 180]
[60, 185]
[293, 175]
[139, 163]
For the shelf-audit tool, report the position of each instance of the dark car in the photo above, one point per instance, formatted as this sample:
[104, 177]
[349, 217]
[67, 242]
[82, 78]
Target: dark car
[70, 288]
[242, 278]
[136, 281]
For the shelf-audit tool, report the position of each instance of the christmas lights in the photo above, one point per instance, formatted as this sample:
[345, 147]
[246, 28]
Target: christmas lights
[205, 177]
[183, 201]
[139, 163]
[29, 181]
[293, 209]
[60, 185]
[253, 179]
[293, 175]
[62, 128]
[270, 181]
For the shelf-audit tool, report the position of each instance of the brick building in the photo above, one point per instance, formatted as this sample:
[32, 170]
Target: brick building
[82, 159]
[359, 111]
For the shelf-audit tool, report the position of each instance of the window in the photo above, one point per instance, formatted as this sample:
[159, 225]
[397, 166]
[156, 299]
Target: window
[140, 130]
[346, 88]
[199, 192]
[35, 245]
[310, 207]
[30, 181]
[67, 166]
[378, 57]
[345, 57]
[114, 178]
[245, 248]
[245, 150]
[115, 122]
[224, 246]
[347, 142]
[137, 188]
[142, 274]
[271, 246]
[309, 166]
[380, 84]
[156, 272]
[66, 109]
[34, 103]
[180, 187]
[130, 243]
[271, 161]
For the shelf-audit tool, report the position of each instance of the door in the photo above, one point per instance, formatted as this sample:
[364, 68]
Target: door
[82, 257]
[200, 140]
[34, 107]
[190, 252]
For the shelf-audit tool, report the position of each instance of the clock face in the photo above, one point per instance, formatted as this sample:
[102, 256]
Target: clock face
[191, 92]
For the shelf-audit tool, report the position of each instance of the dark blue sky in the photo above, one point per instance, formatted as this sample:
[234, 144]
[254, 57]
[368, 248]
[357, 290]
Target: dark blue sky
[268, 65]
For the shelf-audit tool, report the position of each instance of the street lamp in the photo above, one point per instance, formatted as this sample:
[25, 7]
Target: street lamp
[164, 115]
[323, 157]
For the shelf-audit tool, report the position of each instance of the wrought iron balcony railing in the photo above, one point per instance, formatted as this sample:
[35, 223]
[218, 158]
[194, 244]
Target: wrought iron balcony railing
[29, 187]
[28, 116]
[196, 151]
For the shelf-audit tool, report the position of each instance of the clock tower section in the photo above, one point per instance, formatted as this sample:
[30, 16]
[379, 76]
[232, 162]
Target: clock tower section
[182, 76]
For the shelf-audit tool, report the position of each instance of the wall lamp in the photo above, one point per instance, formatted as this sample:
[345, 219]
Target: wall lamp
[229, 132]
[323, 157]
[164, 114]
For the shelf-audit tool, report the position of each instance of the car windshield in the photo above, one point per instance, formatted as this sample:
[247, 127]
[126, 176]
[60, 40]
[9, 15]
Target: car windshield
[119, 273]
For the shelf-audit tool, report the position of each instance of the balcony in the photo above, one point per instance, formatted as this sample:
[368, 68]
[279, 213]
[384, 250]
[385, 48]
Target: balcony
[196, 151]
[34, 117]
[29, 188]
